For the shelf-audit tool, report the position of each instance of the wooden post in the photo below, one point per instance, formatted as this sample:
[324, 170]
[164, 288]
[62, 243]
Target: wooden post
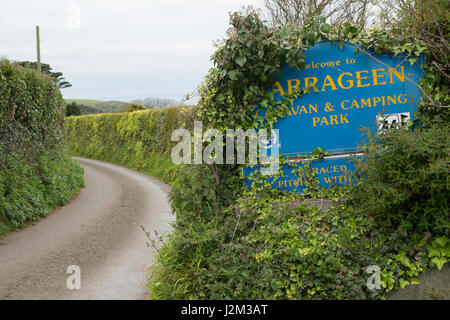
[38, 50]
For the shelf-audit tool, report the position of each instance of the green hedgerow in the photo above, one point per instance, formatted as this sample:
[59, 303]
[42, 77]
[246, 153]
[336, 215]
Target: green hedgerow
[405, 177]
[36, 171]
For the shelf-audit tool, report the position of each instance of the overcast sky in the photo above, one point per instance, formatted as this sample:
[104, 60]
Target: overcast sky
[119, 49]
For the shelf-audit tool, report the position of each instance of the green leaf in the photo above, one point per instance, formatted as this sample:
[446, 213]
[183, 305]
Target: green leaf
[325, 28]
[433, 252]
[439, 262]
[241, 61]
[409, 123]
[260, 54]
[233, 75]
[441, 241]
[403, 283]
[341, 44]
[412, 60]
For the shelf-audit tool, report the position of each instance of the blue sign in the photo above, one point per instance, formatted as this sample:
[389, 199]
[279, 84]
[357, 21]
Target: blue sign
[352, 91]
[348, 91]
[331, 171]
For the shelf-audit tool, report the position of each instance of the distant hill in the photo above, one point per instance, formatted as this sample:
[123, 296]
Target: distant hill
[88, 110]
[101, 106]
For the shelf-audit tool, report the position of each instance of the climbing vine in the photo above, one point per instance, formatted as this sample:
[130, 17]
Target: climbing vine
[253, 54]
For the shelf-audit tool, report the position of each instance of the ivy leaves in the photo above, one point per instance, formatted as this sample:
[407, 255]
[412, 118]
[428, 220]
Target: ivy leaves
[241, 61]
[247, 63]
[439, 252]
[32, 109]
[234, 75]
[325, 28]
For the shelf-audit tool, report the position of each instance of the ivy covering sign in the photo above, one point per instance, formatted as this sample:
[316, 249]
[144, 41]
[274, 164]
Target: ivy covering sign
[348, 91]
[349, 88]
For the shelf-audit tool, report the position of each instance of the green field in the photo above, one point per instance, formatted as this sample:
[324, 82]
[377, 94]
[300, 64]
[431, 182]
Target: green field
[101, 106]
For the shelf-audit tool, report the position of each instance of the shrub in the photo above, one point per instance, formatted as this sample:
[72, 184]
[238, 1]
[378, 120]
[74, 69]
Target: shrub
[32, 109]
[36, 171]
[140, 140]
[29, 191]
[405, 178]
[272, 245]
[73, 109]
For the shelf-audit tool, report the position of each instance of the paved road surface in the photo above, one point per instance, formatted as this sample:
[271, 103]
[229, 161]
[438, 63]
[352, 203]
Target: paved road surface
[99, 231]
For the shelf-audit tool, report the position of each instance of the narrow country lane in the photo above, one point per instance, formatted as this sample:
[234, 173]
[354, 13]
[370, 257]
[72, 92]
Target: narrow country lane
[99, 231]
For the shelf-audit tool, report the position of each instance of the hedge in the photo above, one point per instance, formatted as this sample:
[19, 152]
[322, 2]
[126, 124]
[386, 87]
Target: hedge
[36, 171]
[139, 140]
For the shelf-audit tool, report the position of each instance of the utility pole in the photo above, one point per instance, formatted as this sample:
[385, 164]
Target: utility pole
[38, 50]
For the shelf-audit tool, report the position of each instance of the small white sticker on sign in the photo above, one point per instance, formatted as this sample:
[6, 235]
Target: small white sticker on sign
[394, 120]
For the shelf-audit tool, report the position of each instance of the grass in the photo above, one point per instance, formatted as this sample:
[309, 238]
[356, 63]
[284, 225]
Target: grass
[5, 228]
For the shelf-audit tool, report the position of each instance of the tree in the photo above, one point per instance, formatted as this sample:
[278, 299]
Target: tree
[335, 11]
[426, 21]
[156, 103]
[46, 69]
[73, 109]
[135, 107]
[130, 107]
